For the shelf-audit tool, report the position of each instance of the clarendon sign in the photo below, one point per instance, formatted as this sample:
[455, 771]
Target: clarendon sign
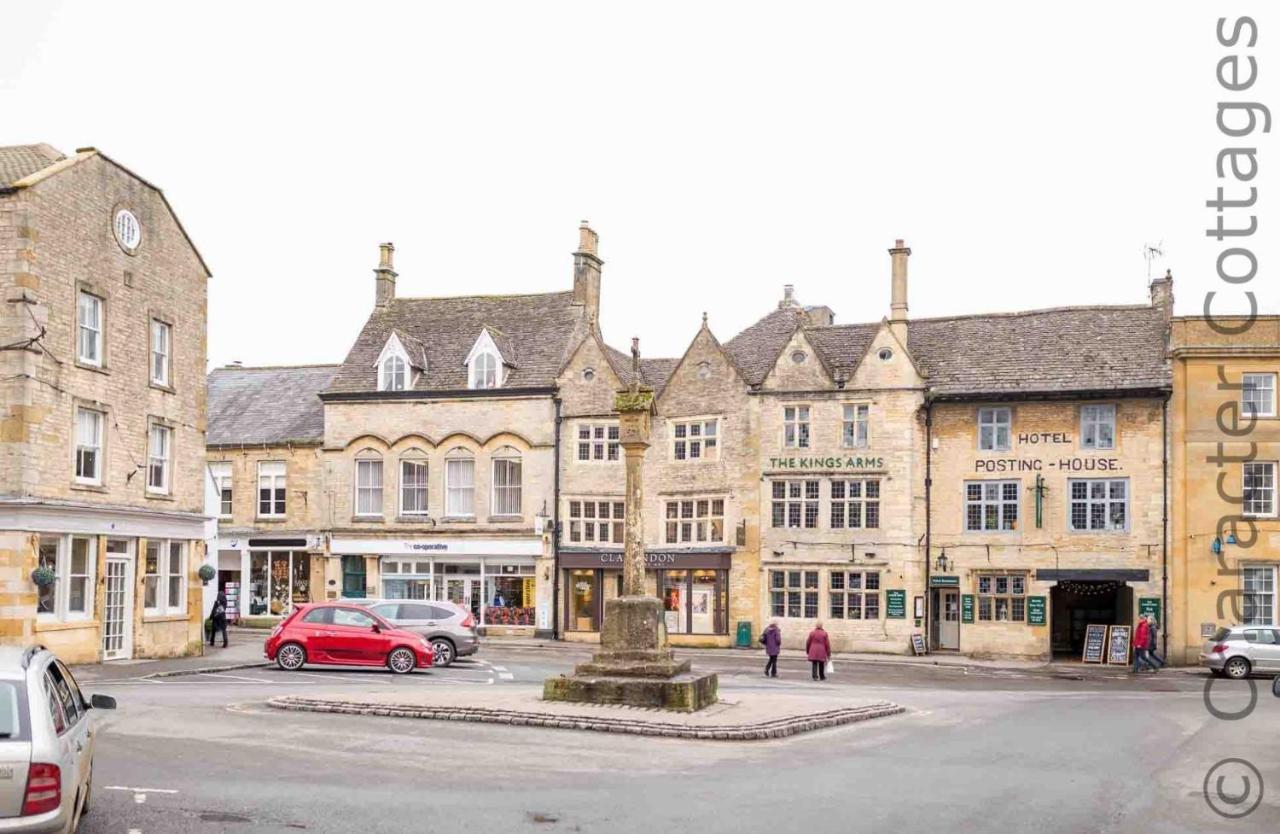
[827, 463]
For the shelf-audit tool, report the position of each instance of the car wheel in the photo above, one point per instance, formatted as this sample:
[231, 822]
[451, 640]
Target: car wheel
[1237, 668]
[402, 661]
[442, 652]
[291, 657]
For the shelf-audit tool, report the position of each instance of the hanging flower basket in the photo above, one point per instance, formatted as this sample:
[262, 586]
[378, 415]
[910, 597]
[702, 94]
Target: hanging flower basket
[43, 577]
[206, 573]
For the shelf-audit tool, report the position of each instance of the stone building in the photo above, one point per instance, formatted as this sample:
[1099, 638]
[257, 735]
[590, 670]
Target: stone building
[102, 429]
[1225, 432]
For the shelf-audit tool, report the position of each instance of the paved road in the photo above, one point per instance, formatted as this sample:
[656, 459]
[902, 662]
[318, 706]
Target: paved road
[984, 750]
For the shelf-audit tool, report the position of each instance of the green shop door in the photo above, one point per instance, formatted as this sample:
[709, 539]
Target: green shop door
[353, 586]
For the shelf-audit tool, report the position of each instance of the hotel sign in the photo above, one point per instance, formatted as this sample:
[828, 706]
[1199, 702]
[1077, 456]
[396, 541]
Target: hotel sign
[826, 464]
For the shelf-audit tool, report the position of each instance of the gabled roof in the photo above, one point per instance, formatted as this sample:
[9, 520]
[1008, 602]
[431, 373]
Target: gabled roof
[505, 345]
[271, 406]
[20, 161]
[755, 349]
[545, 327]
[654, 373]
[414, 348]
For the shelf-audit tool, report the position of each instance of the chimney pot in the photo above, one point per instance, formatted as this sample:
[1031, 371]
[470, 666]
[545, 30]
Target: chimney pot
[588, 240]
[898, 289]
[586, 272]
[386, 253]
[788, 296]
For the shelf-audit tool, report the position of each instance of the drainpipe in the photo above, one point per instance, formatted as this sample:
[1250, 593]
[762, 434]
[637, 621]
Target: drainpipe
[928, 514]
[555, 531]
[1164, 525]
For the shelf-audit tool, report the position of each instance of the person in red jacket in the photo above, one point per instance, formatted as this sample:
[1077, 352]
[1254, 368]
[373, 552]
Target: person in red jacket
[818, 647]
[1141, 645]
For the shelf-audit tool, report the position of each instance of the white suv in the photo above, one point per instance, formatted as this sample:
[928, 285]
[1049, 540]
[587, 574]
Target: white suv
[46, 743]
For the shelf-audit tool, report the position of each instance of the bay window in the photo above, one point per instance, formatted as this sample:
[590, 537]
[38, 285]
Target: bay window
[164, 581]
[73, 560]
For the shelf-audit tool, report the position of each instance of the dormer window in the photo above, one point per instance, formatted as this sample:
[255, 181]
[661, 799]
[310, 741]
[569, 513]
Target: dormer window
[391, 376]
[486, 363]
[397, 371]
[484, 371]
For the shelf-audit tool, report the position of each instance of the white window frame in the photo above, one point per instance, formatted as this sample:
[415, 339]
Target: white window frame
[990, 422]
[223, 482]
[159, 453]
[93, 330]
[797, 427]
[164, 576]
[850, 591]
[505, 494]
[420, 488]
[600, 442]
[694, 439]
[93, 445]
[65, 545]
[855, 425]
[695, 521]
[1000, 501]
[486, 370]
[994, 591]
[1091, 499]
[1094, 418]
[794, 593]
[1263, 595]
[1255, 383]
[852, 497]
[1253, 493]
[801, 495]
[596, 521]
[366, 482]
[396, 375]
[161, 353]
[274, 474]
[455, 492]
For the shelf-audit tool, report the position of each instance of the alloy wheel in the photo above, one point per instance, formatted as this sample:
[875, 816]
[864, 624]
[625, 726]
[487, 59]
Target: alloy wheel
[402, 661]
[441, 653]
[291, 657]
[1237, 668]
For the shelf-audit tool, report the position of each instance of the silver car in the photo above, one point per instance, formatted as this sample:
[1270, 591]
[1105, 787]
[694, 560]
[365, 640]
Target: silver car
[46, 743]
[450, 628]
[1241, 650]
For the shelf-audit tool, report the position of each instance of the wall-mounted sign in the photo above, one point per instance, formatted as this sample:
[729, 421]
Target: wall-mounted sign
[653, 560]
[452, 547]
[944, 582]
[128, 230]
[1149, 607]
[895, 605]
[827, 463]
[966, 608]
[1036, 611]
[999, 465]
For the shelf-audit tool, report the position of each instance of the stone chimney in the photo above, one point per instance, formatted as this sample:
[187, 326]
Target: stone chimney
[586, 272]
[898, 294]
[1162, 293]
[385, 275]
[788, 297]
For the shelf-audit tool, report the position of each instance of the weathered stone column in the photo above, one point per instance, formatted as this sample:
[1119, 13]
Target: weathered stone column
[634, 408]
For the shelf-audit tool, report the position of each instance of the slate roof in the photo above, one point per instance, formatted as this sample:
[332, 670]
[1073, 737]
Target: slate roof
[540, 329]
[271, 406]
[654, 373]
[756, 349]
[18, 161]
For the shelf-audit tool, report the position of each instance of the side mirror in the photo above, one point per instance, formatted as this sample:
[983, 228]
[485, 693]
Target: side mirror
[377, 629]
[102, 702]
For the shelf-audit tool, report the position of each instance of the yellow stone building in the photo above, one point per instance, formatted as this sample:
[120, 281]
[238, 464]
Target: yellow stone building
[1225, 432]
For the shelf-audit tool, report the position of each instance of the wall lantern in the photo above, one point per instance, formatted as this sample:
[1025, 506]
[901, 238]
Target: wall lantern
[943, 563]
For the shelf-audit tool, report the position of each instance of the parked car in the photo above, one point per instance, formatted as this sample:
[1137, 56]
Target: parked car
[341, 634]
[1239, 651]
[449, 627]
[46, 742]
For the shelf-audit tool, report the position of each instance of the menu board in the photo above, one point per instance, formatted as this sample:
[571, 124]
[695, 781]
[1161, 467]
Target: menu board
[895, 605]
[966, 608]
[1035, 611]
[1095, 641]
[1118, 645]
[917, 643]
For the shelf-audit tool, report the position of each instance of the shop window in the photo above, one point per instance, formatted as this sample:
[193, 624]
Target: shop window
[353, 577]
[271, 489]
[1099, 505]
[599, 522]
[1002, 598]
[598, 442]
[991, 505]
[695, 521]
[1260, 488]
[854, 431]
[72, 560]
[855, 595]
[584, 591]
[855, 504]
[1258, 597]
[164, 582]
[695, 601]
[406, 579]
[369, 486]
[995, 427]
[793, 593]
[507, 474]
[795, 426]
[695, 439]
[460, 484]
[795, 504]
[1098, 427]
[277, 581]
[510, 597]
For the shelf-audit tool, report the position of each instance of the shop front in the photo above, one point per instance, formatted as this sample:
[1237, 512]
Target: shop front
[265, 576]
[693, 587]
[495, 579]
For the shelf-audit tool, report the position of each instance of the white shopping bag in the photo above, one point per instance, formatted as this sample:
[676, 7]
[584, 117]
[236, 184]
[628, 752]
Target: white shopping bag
[831, 667]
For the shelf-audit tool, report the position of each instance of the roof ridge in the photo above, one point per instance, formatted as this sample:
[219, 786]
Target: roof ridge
[274, 367]
[493, 295]
[1009, 314]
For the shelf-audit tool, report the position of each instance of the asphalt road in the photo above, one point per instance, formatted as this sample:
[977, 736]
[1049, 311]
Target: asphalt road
[981, 751]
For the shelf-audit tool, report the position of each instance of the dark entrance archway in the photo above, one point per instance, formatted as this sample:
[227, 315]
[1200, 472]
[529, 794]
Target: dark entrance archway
[1087, 597]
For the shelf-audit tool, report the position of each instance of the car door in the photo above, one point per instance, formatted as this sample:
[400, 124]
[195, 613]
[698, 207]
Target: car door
[354, 640]
[419, 618]
[73, 739]
[1266, 651]
[314, 631]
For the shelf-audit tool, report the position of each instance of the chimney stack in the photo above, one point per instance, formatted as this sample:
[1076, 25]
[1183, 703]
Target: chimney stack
[586, 272]
[898, 294]
[1162, 293]
[384, 277]
[788, 297]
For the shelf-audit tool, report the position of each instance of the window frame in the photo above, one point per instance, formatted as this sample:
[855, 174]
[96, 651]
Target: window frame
[278, 482]
[1246, 406]
[424, 487]
[376, 487]
[861, 420]
[579, 522]
[506, 457]
[225, 485]
[478, 373]
[868, 505]
[800, 586]
[675, 527]
[1246, 593]
[62, 567]
[702, 441]
[166, 460]
[99, 450]
[989, 601]
[458, 455]
[1001, 503]
[160, 326]
[164, 577]
[802, 501]
[995, 424]
[603, 436]
[797, 432]
[867, 589]
[395, 379]
[1093, 424]
[1090, 501]
[98, 329]
[1273, 470]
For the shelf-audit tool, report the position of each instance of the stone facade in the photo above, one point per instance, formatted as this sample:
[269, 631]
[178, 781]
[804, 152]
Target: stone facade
[61, 240]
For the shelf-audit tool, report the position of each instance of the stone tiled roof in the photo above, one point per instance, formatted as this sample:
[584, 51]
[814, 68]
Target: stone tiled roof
[267, 405]
[18, 161]
[539, 329]
[756, 349]
[654, 373]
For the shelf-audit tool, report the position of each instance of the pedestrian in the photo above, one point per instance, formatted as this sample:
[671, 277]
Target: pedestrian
[1153, 638]
[1141, 643]
[218, 619]
[818, 648]
[771, 639]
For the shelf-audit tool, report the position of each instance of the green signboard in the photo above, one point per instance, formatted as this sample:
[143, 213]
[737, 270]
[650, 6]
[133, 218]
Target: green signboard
[1035, 611]
[966, 608]
[1149, 606]
[896, 605]
[944, 582]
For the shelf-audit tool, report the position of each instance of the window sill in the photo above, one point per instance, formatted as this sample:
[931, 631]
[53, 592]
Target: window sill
[159, 496]
[273, 519]
[458, 519]
[81, 486]
[63, 625]
[368, 519]
[412, 519]
[97, 369]
[164, 618]
[504, 519]
[160, 386]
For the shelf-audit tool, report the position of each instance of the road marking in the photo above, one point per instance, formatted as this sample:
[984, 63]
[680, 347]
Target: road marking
[139, 798]
[236, 677]
[506, 676]
[499, 668]
[137, 790]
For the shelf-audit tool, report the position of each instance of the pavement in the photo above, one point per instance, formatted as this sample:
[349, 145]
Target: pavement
[977, 749]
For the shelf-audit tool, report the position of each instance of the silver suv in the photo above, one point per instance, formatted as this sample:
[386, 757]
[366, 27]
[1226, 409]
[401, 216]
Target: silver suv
[46, 743]
[1240, 650]
[450, 628]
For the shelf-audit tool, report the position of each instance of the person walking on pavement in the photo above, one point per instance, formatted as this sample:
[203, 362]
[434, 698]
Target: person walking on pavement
[218, 619]
[1141, 643]
[818, 648]
[1153, 636]
[771, 639]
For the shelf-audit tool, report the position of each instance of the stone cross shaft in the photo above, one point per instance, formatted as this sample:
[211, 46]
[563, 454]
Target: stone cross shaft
[634, 408]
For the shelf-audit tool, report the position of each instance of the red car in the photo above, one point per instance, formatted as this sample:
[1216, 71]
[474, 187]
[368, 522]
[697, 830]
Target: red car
[344, 635]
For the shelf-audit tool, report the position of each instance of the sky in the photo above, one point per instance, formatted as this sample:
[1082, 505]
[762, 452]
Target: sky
[1027, 153]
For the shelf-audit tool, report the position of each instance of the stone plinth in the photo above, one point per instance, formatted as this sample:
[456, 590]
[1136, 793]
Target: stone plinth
[686, 692]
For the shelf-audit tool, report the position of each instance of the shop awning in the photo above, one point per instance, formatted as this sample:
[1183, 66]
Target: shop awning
[1093, 575]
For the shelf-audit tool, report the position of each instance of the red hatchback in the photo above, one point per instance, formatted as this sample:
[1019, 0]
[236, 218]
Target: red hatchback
[344, 635]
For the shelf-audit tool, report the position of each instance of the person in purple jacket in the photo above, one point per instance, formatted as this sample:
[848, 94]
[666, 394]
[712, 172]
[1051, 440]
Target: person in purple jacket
[772, 641]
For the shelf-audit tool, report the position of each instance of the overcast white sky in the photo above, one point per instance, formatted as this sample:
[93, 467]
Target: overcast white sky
[721, 150]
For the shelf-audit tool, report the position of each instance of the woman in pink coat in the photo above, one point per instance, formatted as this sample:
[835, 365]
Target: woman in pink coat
[818, 647]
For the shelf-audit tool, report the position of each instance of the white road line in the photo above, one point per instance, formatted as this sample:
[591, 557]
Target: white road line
[236, 677]
[499, 668]
[137, 790]
[139, 798]
[506, 676]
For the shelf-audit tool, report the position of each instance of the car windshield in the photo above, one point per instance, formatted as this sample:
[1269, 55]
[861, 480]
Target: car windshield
[8, 711]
